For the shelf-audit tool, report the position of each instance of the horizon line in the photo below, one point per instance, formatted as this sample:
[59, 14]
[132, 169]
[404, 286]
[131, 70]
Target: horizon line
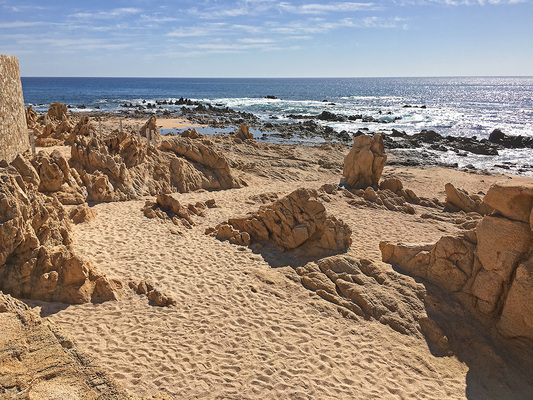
[284, 77]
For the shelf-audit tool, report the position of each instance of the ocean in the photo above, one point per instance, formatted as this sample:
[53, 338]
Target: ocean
[469, 106]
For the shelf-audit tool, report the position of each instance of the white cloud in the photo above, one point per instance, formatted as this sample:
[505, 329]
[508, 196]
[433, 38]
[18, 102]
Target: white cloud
[19, 24]
[325, 8]
[115, 13]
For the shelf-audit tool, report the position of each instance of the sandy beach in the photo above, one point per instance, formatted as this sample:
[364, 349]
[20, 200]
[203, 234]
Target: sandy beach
[241, 327]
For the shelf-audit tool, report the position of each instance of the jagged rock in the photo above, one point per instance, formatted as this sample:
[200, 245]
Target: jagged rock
[153, 293]
[191, 133]
[39, 361]
[385, 198]
[370, 289]
[464, 201]
[57, 110]
[31, 117]
[297, 221]
[364, 163]
[244, 132]
[150, 126]
[198, 166]
[82, 128]
[488, 269]
[36, 258]
[82, 213]
[393, 184]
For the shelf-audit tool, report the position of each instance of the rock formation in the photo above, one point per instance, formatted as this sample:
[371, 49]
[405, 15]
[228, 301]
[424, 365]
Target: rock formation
[297, 221]
[489, 269]
[57, 111]
[14, 137]
[154, 294]
[40, 362]
[150, 126]
[364, 163]
[36, 256]
[244, 132]
[465, 202]
[372, 289]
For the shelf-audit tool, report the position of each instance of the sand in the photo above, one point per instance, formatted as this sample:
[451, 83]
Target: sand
[241, 329]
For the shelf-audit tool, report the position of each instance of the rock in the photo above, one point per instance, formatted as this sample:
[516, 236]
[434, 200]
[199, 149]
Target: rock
[191, 133]
[57, 110]
[151, 126]
[466, 202]
[364, 163]
[512, 199]
[82, 213]
[393, 184]
[39, 361]
[36, 256]
[244, 132]
[488, 269]
[510, 142]
[368, 289]
[153, 293]
[297, 221]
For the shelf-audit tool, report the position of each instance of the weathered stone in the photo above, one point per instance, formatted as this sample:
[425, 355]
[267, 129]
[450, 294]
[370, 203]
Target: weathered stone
[512, 199]
[244, 132]
[57, 110]
[14, 137]
[364, 163]
[464, 201]
[297, 221]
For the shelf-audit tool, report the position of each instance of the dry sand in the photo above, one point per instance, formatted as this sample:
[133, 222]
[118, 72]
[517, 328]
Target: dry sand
[241, 329]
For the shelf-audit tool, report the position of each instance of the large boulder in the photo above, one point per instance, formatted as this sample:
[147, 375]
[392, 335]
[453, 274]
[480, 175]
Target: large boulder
[295, 222]
[36, 256]
[364, 163]
[57, 110]
[150, 126]
[487, 269]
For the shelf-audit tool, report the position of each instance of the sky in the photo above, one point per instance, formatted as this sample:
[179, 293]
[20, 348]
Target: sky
[269, 38]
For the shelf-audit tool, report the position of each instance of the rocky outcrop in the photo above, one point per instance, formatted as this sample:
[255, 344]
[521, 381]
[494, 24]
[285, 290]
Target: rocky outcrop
[57, 110]
[372, 290]
[39, 361]
[295, 222]
[463, 201]
[150, 126]
[364, 163]
[36, 257]
[244, 132]
[489, 269]
[198, 165]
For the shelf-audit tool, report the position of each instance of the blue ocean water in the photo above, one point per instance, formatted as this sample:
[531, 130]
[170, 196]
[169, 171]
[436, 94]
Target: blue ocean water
[466, 106]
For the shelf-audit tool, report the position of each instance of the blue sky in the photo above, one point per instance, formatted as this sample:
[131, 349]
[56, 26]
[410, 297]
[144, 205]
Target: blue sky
[269, 38]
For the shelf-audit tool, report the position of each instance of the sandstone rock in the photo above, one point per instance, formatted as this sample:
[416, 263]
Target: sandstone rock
[36, 258]
[82, 213]
[31, 116]
[57, 110]
[393, 184]
[191, 133]
[39, 361]
[464, 201]
[297, 221]
[488, 269]
[244, 132]
[150, 126]
[364, 163]
[198, 166]
[511, 199]
[154, 294]
[368, 289]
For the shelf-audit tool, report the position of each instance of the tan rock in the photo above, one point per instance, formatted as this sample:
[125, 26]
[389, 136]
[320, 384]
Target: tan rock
[511, 199]
[39, 361]
[297, 221]
[57, 110]
[466, 202]
[244, 132]
[82, 213]
[364, 163]
[150, 126]
[36, 258]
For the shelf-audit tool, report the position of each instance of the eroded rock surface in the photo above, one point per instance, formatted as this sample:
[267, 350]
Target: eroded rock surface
[489, 269]
[364, 163]
[466, 202]
[36, 257]
[297, 221]
[38, 361]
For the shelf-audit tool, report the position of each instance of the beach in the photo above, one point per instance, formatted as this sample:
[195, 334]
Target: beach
[243, 326]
